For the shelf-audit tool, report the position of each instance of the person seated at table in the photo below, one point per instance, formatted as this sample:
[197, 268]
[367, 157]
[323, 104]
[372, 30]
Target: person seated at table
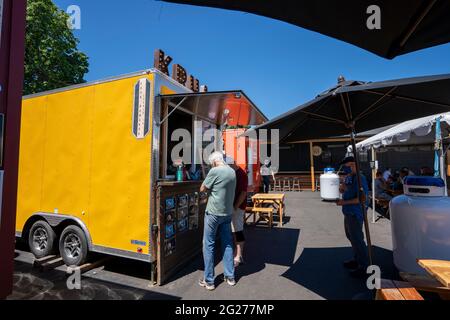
[426, 172]
[405, 172]
[381, 188]
[396, 182]
[409, 172]
[391, 181]
[387, 173]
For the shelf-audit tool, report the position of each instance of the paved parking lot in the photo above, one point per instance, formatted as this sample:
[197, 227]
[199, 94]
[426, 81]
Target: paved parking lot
[303, 260]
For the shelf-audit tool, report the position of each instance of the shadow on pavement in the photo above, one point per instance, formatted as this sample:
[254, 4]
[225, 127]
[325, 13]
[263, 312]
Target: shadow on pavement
[320, 270]
[273, 246]
[30, 284]
[263, 245]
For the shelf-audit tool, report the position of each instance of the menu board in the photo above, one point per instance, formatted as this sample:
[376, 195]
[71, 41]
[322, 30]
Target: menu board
[181, 213]
[180, 221]
[193, 211]
[170, 225]
[169, 246]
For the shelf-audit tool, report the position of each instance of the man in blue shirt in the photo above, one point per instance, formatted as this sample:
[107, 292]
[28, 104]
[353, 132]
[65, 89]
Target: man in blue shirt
[354, 218]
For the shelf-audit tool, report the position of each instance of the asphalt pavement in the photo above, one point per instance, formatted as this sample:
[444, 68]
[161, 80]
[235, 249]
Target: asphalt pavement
[302, 260]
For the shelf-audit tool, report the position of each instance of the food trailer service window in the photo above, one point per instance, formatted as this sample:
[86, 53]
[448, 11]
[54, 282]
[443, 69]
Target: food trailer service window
[222, 109]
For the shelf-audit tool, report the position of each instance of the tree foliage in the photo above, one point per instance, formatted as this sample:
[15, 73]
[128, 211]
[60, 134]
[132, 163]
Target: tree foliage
[52, 58]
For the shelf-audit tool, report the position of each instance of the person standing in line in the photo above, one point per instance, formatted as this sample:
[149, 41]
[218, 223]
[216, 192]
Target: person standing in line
[240, 203]
[266, 171]
[386, 174]
[354, 218]
[220, 184]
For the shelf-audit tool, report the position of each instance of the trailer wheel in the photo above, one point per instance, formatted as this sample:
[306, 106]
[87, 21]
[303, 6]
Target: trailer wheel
[73, 246]
[41, 239]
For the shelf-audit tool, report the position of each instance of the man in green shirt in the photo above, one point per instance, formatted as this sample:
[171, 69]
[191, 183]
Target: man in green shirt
[220, 185]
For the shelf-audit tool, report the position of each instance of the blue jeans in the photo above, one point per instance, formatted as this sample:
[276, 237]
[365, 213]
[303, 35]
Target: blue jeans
[354, 233]
[213, 225]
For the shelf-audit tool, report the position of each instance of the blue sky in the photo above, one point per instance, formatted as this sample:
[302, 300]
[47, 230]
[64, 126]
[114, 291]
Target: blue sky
[279, 66]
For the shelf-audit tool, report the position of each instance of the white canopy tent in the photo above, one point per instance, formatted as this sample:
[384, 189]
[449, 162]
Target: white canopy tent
[416, 132]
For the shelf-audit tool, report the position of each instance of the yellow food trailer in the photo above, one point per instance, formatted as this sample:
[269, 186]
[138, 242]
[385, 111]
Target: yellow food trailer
[95, 173]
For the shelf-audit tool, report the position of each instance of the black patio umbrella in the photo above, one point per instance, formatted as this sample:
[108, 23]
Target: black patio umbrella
[404, 25]
[354, 106]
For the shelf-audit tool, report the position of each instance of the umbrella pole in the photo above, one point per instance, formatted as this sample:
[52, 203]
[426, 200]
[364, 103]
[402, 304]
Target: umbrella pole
[361, 196]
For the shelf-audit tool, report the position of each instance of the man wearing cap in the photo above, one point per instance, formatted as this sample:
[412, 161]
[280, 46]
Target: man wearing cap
[354, 218]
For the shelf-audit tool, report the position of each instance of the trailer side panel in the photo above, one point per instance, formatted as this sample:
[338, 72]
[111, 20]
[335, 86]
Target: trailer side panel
[80, 158]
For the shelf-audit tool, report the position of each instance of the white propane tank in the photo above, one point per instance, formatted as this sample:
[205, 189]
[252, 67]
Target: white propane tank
[329, 185]
[420, 222]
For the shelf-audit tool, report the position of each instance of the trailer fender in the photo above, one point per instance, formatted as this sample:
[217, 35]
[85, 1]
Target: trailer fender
[56, 221]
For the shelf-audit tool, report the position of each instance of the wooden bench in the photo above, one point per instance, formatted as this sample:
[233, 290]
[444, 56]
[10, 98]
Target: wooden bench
[265, 214]
[426, 283]
[397, 290]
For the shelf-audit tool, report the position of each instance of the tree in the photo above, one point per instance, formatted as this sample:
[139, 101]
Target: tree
[52, 59]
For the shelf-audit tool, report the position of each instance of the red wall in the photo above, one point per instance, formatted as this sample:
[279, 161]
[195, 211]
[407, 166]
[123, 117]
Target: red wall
[11, 81]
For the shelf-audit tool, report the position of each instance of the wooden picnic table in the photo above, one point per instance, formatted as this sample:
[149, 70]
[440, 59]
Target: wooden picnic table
[276, 200]
[438, 269]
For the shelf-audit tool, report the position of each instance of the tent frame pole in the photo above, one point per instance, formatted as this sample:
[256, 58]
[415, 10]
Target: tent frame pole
[442, 170]
[440, 150]
[374, 176]
[361, 196]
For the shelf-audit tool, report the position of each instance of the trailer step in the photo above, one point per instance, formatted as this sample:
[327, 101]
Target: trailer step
[51, 263]
[88, 266]
[38, 262]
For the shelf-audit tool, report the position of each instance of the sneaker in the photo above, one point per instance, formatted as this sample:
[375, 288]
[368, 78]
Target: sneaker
[230, 281]
[204, 284]
[351, 264]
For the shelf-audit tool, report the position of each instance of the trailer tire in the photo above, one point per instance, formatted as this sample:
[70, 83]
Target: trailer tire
[73, 246]
[41, 239]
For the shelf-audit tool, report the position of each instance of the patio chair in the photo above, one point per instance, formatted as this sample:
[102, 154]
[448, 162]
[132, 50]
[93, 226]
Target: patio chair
[296, 185]
[286, 184]
[277, 185]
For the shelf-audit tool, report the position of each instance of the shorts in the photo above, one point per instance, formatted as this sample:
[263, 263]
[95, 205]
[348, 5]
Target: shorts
[237, 224]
